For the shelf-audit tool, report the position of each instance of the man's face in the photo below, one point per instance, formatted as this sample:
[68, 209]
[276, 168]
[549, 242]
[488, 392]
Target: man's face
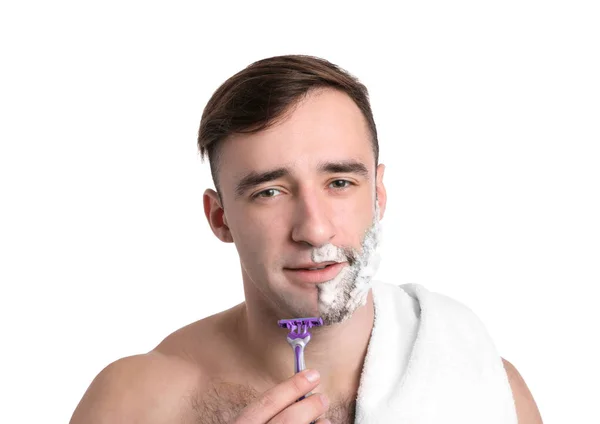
[318, 205]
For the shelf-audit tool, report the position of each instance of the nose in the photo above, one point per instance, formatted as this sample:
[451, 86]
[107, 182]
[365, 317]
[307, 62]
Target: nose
[312, 222]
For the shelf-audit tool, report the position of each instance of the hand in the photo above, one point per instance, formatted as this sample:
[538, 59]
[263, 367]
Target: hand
[278, 404]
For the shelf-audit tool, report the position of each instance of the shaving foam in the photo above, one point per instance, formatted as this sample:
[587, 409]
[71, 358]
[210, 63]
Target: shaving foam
[340, 297]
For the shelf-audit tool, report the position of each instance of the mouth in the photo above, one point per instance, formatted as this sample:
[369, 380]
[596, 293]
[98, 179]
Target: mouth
[315, 276]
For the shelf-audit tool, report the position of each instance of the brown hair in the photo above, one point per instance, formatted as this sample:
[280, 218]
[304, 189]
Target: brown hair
[258, 97]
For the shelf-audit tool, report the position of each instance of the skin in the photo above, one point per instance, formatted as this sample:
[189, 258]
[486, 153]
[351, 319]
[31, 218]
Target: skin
[292, 217]
[295, 218]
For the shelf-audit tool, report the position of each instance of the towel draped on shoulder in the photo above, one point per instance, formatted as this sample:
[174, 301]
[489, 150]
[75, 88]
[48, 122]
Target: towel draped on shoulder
[430, 360]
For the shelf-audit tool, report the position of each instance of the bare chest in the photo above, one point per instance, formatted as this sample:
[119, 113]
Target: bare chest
[223, 402]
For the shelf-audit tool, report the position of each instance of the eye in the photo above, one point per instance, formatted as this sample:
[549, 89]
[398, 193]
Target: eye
[344, 183]
[265, 193]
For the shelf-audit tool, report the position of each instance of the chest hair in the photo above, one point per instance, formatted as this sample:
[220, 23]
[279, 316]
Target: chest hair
[223, 402]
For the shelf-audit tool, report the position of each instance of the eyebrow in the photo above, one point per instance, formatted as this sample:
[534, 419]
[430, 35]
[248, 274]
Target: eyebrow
[254, 179]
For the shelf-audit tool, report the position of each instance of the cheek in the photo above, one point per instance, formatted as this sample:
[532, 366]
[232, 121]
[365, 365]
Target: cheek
[354, 224]
[257, 238]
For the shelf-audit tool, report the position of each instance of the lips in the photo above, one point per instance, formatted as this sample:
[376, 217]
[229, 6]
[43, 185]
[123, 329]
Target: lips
[304, 275]
[308, 265]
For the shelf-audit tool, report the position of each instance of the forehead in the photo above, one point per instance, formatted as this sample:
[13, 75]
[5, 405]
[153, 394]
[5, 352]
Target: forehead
[325, 126]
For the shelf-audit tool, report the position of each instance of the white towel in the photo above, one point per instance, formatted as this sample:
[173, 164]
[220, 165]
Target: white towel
[430, 360]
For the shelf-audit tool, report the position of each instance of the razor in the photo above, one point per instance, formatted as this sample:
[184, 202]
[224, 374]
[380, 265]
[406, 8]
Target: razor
[298, 337]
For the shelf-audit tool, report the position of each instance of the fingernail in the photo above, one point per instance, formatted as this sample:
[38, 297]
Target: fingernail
[312, 375]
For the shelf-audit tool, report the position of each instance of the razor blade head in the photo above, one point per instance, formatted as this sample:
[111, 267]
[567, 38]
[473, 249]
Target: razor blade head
[298, 327]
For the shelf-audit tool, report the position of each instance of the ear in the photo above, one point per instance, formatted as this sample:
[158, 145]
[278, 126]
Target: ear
[215, 214]
[380, 189]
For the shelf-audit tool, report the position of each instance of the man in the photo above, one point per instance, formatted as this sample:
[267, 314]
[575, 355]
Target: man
[293, 152]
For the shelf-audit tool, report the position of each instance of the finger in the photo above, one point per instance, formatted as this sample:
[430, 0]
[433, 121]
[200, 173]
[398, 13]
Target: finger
[307, 410]
[274, 400]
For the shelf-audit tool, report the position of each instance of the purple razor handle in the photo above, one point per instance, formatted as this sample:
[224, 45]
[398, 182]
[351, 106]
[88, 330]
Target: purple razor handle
[299, 337]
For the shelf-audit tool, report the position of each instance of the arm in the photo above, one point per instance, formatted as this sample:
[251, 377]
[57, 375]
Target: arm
[527, 410]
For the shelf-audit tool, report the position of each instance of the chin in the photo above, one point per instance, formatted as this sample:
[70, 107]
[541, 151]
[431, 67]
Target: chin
[304, 307]
[337, 316]
[341, 312]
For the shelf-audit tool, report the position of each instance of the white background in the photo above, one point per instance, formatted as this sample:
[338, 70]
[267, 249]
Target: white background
[488, 116]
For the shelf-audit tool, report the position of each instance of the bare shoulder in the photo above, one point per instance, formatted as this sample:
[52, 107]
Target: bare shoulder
[172, 383]
[148, 388]
[527, 410]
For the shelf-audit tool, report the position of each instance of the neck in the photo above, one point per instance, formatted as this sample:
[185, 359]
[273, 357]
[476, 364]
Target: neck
[336, 351]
